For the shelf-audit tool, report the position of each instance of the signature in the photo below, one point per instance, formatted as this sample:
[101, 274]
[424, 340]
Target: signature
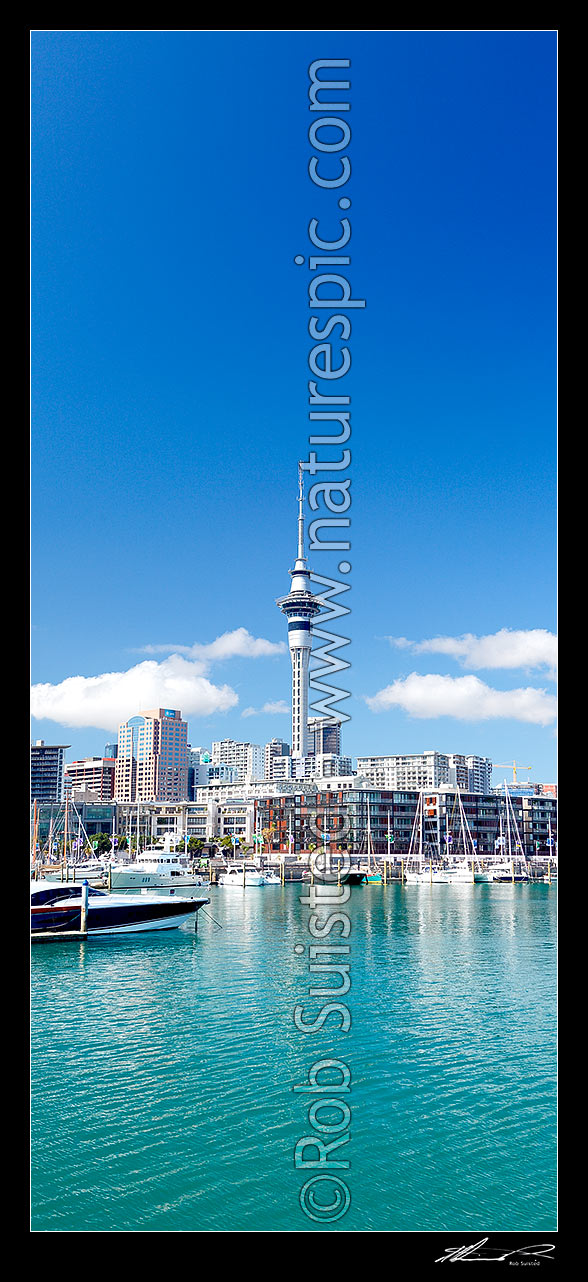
[479, 1251]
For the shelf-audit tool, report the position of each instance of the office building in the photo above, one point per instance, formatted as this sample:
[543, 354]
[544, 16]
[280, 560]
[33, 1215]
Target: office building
[92, 777]
[152, 758]
[324, 736]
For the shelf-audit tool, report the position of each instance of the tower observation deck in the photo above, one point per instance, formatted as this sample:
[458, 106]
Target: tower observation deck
[300, 606]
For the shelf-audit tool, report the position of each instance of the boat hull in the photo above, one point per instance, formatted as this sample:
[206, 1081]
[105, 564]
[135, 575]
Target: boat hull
[109, 914]
[237, 881]
[138, 881]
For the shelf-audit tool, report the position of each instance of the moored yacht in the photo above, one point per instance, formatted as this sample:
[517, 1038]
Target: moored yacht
[156, 869]
[241, 875]
[58, 907]
[93, 870]
[421, 873]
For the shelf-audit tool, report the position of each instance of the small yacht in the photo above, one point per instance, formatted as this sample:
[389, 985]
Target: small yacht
[425, 874]
[57, 908]
[93, 870]
[157, 868]
[242, 875]
[508, 872]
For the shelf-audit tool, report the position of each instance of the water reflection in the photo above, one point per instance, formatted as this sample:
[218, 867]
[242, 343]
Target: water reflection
[170, 1060]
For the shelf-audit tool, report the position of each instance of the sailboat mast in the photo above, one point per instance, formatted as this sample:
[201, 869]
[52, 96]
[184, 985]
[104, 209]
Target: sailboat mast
[369, 839]
[65, 831]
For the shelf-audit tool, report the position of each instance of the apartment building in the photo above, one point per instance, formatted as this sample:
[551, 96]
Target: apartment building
[248, 758]
[47, 771]
[429, 769]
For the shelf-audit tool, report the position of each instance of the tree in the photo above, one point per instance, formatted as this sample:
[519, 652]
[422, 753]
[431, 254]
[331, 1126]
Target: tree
[102, 842]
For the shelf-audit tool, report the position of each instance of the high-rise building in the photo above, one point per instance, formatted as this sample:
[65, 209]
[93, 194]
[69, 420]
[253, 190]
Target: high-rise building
[274, 752]
[428, 770]
[47, 771]
[247, 757]
[300, 606]
[324, 765]
[152, 758]
[198, 768]
[91, 775]
[324, 736]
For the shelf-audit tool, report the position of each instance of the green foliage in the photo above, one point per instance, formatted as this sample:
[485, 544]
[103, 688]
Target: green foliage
[101, 842]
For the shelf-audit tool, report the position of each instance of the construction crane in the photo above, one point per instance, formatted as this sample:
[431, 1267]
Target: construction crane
[515, 767]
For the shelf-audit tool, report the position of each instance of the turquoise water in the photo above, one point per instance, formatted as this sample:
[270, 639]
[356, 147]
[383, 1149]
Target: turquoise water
[163, 1067]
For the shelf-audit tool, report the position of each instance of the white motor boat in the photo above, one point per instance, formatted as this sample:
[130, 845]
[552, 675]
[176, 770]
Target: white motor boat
[425, 875]
[156, 869]
[58, 908]
[93, 870]
[242, 876]
[506, 873]
[483, 875]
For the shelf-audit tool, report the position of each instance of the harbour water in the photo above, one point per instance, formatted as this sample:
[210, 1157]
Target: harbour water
[163, 1067]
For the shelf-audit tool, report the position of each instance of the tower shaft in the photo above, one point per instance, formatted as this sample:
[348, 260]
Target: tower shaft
[300, 606]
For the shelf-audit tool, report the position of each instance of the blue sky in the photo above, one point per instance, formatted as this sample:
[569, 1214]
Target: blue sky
[170, 196]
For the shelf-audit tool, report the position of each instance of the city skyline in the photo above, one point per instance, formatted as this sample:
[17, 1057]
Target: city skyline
[169, 386]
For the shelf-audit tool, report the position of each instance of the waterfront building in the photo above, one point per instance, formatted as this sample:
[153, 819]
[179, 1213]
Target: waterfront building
[429, 769]
[94, 818]
[343, 808]
[247, 758]
[348, 814]
[235, 819]
[47, 771]
[152, 758]
[546, 790]
[300, 607]
[538, 817]
[91, 775]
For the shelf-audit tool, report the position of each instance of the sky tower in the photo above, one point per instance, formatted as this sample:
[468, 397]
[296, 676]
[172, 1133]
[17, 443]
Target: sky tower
[300, 607]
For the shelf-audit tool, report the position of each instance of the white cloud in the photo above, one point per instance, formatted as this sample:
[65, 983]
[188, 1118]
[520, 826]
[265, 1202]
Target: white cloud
[275, 708]
[507, 648]
[238, 644]
[180, 681]
[465, 698]
[107, 700]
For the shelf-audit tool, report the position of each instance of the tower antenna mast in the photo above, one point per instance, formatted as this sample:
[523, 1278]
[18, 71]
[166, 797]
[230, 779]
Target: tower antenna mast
[300, 513]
